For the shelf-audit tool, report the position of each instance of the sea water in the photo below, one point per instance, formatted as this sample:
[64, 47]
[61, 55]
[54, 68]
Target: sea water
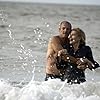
[24, 33]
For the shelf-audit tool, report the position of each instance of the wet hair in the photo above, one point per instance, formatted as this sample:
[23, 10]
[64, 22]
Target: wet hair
[81, 34]
[65, 22]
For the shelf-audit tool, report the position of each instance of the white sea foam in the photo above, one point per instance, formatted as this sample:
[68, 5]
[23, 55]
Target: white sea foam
[49, 90]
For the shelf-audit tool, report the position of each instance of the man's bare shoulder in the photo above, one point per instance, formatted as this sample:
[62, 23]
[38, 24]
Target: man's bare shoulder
[54, 38]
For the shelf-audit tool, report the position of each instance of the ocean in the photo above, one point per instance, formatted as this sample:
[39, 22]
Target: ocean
[25, 29]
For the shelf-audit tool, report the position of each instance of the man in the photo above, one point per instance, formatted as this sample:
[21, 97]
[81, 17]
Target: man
[57, 43]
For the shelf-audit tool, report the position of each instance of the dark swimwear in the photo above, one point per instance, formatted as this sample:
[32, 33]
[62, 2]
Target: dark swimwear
[51, 76]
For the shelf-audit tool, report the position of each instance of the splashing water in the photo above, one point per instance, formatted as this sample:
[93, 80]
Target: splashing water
[25, 57]
[24, 54]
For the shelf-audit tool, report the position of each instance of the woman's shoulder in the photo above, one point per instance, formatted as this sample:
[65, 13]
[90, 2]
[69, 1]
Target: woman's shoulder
[86, 47]
[83, 46]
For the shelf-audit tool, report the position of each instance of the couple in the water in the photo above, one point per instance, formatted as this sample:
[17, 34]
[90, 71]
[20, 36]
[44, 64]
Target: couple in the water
[68, 55]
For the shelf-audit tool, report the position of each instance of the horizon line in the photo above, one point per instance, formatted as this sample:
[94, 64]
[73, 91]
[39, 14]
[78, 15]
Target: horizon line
[50, 3]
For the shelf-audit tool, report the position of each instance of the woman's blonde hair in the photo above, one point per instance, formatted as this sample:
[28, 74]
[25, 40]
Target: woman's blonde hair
[81, 34]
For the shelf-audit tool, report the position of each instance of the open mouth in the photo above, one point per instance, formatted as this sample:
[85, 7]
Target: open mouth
[71, 40]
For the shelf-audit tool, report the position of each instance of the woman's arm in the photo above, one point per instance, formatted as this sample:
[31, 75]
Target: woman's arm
[91, 62]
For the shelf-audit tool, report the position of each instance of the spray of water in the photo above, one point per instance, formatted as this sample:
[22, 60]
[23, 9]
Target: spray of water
[23, 53]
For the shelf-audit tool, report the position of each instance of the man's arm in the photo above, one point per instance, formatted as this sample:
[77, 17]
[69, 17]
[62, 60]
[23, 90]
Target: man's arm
[56, 44]
[52, 50]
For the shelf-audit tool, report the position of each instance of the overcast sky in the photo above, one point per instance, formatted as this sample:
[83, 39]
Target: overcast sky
[90, 2]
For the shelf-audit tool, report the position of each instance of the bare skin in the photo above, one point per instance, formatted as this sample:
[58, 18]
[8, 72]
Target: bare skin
[55, 45]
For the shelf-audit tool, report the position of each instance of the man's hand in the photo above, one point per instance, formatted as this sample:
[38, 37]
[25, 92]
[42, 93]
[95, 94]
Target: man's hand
[62, 52]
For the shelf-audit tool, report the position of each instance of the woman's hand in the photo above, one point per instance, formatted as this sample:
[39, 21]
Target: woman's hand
[81, 61]
[84, 63]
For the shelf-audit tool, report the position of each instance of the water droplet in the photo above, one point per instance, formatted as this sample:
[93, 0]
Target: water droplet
[29, 71]
[73, 40]
[48, 25]
[20, 57]
[22, 46]
[35, 41]
[92, 79]
[84, 57]
[39, 35]
[25, 64]
[67, 57]
[39, 71]
[81, 59]
[9, 25]
[71, 66]
[34, 31]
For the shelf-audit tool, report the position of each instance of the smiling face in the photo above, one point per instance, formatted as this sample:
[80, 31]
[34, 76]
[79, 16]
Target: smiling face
[65, 29]
[74, 37]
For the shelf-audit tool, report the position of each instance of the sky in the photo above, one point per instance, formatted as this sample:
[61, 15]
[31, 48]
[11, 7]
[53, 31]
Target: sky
[85, 2]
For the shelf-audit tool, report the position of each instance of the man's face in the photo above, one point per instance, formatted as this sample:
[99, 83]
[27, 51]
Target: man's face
[65, 29]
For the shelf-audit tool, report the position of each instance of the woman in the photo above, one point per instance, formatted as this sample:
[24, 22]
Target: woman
[78, 49]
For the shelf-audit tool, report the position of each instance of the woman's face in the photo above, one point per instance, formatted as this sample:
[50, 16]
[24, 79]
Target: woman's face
[74, 37]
